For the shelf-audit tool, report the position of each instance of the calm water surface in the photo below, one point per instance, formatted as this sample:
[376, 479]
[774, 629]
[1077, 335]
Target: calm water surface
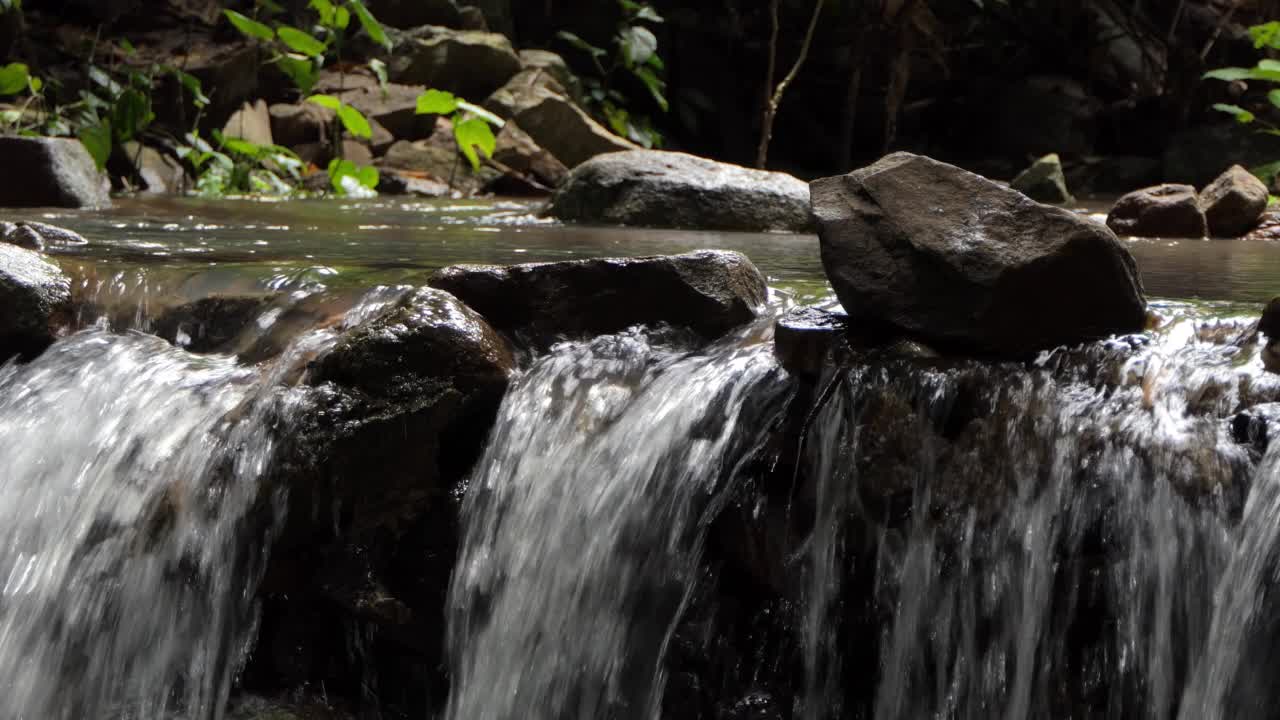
[189, 247]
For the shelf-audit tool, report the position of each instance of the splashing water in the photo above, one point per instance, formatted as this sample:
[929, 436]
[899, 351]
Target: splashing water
[582, 523]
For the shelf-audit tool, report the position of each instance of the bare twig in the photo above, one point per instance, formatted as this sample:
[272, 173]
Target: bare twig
[1217, 31]
[774, 100]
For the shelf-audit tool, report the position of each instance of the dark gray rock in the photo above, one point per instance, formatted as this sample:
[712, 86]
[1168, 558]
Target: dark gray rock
[962, 262]
[566, 130]
[395, 108]
[710, 292]
[465, 62]
[1256, 426]
[39, 236]
[35, 300]
[1233, 204]
[50, 172]
[545, 62]
[653, 188]
[1044, 181]
[804, 337]
[1171, 211]
[209, 324]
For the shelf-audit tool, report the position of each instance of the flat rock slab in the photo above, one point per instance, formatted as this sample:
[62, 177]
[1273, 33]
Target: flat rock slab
[963, 263]
[709, 291]
[653, 188]
[35, 297]
[50, 172]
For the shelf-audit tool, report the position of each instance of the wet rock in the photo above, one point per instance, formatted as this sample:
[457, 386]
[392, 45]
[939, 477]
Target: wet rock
[1171, 211]
[1269, 326]
[35, 300]
[1233, 204]
[710, 292]
[252, 122]
[39, 236]
[428, 334]
[395, 108]
[516, 150]
[961, 262]
[1044, 181]
[563, 128]
[467, 63]
[804, 338]
[258, 708]
[294, 124]
[209, 324]
[665, 189]
[152, 170]
[50, 172]
[1256, 426]
[395, 182]
[1268, 227]
[321, 154]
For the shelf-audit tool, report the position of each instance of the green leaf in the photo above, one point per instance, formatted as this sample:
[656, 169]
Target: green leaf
[436, 102]
[379, 69]
[1240, 113]
[648, 13]
[302, 70]
[474, 133]
[326, 101]
[300, 42]
[657, 88]
[370, 24]
[1232, 74]
[355, 122]
[241, 146]
[192, 85]
[480, 112]
[1265, 35]
[638, 44]
[131, 114]
[324, 9]
[1266, 173]
[250, 27]
[128, 47]
[368, 176]
[341, 18]
[14, 78]
[581, 44]
[97, 140]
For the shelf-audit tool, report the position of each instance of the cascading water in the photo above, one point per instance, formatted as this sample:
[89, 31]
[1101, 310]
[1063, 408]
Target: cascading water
[133, 521]
[583, 523]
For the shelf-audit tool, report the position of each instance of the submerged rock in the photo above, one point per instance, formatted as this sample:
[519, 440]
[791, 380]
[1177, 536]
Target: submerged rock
[50, 172]
[1269, 325]
[709, 291]
[1233, 204]
[209, 324]
[666, 189]
[1171, 211]
[953, 258]
[1044, 181]
[804, 336]
[35, 298]
[38, 236]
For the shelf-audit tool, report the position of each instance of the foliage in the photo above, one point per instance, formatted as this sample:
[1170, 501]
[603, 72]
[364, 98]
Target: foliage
[635, 54]
[471, 123]
[239, 166]
[301, 55]
[1265, 37]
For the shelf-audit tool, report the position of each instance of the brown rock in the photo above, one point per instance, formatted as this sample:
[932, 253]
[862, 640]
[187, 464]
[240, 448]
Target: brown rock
[1161, 211]
[252, 122]
[564, 129]
[518, 151]
[1234, 202]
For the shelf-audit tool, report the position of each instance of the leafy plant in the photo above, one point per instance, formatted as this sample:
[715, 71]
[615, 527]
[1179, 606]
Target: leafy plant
[471, 123]
[240, 166]
[635, 54]
[1265, 37]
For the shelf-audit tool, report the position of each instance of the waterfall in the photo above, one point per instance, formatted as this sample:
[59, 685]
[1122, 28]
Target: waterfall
[584, 522]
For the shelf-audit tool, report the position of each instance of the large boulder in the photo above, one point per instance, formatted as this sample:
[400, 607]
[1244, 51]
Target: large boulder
[1234, 203]
[709, 292]
[35, 299]
[517, 151]
[958, 260]
[666, 189]
[1171, 211]
[524, 90]
[560, 126]
[400, 407]
[50, 172]
[545, 62]
[468, 63]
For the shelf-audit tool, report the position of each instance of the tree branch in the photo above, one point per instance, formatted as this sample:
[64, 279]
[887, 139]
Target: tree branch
[771, 105]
